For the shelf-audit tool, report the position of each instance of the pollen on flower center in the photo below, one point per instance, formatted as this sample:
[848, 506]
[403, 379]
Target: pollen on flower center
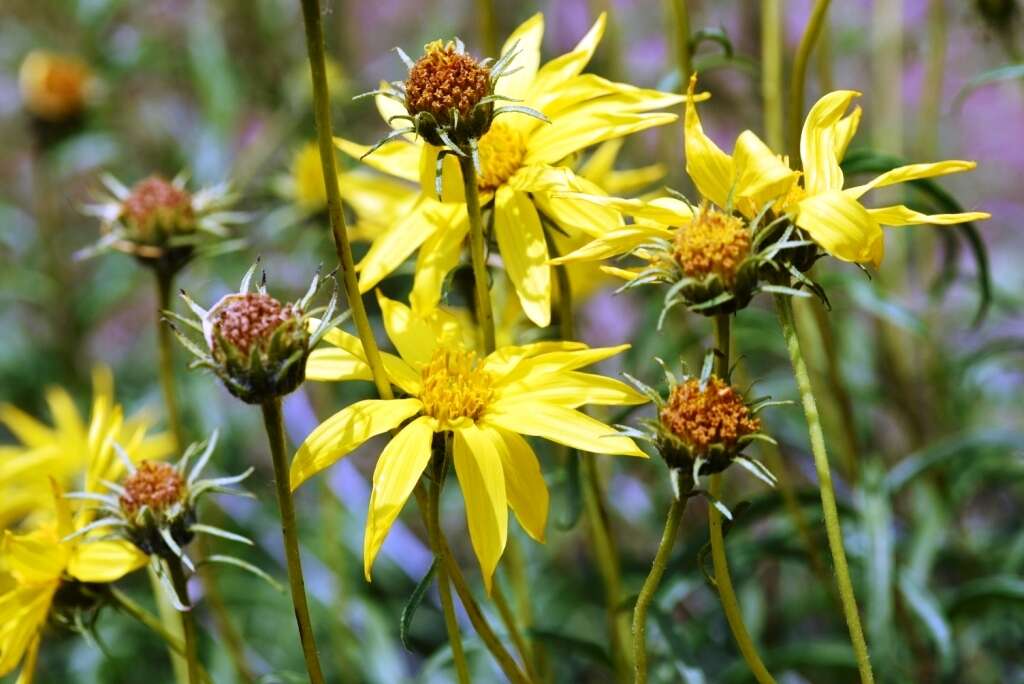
[715, 415]
[156, 204]
[443, 80]
[154, 485]
[502, 150]
[249, 319]
[713, 243]
[455, 386]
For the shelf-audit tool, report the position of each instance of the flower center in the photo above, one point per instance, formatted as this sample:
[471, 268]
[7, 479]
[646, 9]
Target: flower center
[502, 150]
[155, 485]
[715, 415]
[250, 319]
[713, 243]
[455, 386]
[54, 87]
[158, 205]
[444, 79]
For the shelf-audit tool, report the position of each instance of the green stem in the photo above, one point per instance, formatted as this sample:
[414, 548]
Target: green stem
[509, 620]
[488, 27]
[784, 307]
[222, 616]
[132, 609]
[322, 111]
[274, 424]
[771, 72]
[683, 56]
[799, 78]
[164, 284]
[478, 255]
[643, 601]
[188, 624]
[443, 583]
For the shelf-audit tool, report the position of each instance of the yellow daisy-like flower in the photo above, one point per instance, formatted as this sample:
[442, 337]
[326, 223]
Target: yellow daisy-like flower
[77, 455]
[522, 171]
[42, 562]
[833, 216]
[487, 404]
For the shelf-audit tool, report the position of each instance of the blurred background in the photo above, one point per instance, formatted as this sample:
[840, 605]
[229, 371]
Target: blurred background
[924, 407]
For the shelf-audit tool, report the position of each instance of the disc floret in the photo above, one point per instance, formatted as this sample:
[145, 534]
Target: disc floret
[455, 387]
[257, 345]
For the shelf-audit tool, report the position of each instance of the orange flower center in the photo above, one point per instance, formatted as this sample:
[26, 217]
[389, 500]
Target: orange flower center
[455, 386]
[443, 80]
[715, 415]
[154, 485]
[713, 243]
[502, 151]
[250, 319]
[156, 203]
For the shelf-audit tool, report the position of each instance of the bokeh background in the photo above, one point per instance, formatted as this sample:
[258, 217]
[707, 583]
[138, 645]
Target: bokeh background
[933, 399]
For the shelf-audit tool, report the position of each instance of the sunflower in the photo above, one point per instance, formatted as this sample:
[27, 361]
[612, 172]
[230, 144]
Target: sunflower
[75, 453]
[52, 576]
[523, 167]
[487, 404]
[833, 216]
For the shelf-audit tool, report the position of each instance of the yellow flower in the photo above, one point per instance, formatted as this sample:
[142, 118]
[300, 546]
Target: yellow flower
[43, 561]
[488, 404]
[523, 168]
[54, 87]
[833, 216]
[77, 455]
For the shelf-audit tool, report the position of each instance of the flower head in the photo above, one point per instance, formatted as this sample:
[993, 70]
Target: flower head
[487, 404]
[254, 343]
[55, 88]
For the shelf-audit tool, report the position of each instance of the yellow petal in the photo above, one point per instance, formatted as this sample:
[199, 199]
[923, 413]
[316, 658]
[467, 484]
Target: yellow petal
[482, 481]
[23, 614]
[571, 390]
[614, 244]
[104, 561]
[526, 40]
[912, 172]
[505, 359]
[389, 108]
[395, 476]
[586, 126]
[562, 68]
[845, 130]
[708, 166]
[412, 336]
[821, 139]
[667, 211]
[24, 427]
[842, 226]
[574, 215]
[624, 273]
[397, 370]
[35, 557]
[392, 248]
[398, 158]
[552, 362]
[438, 255]
[451, 178]
[525, 252]
[899, 215]
[337, 436]
[524, 483]
[28, 668]
[761, 176]
[333, 365]
[562, 426]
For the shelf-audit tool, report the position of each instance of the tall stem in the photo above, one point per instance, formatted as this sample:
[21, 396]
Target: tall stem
[643, 601]
[683, 61]
[799, 79]
[723, 580]
[784, 308]
[488, 27]
[509, 620]
[322, 112]
[443, 583]
[771, 72]
[188, 624]
[274, 424]
[477, 252]
[164, 283]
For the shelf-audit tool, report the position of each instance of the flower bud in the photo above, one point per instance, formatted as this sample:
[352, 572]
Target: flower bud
[444, 89]
[54, 88]
[155, 504]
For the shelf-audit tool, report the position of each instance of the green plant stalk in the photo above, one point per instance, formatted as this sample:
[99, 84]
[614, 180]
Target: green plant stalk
[444, 588]
[488, 27]
[478, 253]
[799, 78]
[234, 644]
[132, 609]
[325, 140]
[682, 38]
[650, 586]
[274, 424]
[164, 285]
[784, 308]
[509, 620]
[771, 72]
[171, 624]
[188, 623]
[597, 512]
[723, 580]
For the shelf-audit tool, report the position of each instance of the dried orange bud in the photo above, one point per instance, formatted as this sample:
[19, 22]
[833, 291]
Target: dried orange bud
[250, 319]
[700, 418]
[443, 80]
[158, 486]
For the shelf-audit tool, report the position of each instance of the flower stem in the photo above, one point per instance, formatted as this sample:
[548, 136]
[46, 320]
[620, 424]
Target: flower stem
[784, 307]
[188, 624]
[799, 77]
[771, 72]
[643, 601]
[123, 602]
[164, 284]
[274, 424]
[509, 620]
[322, 113]
[682, 22]
[478, 256]
[443, 586]
[723, 580]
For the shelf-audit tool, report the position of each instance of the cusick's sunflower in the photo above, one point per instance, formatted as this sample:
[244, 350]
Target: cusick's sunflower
[488, 404]
[75, 453]
[832, 215]
[523, 164]
[52, 576]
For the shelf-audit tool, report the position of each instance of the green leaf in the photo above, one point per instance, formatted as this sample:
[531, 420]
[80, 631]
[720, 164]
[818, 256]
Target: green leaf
[557, 641]
[411, 606]
[925, 606]
[920, 461]
[1003, 73]
[1000, 589]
